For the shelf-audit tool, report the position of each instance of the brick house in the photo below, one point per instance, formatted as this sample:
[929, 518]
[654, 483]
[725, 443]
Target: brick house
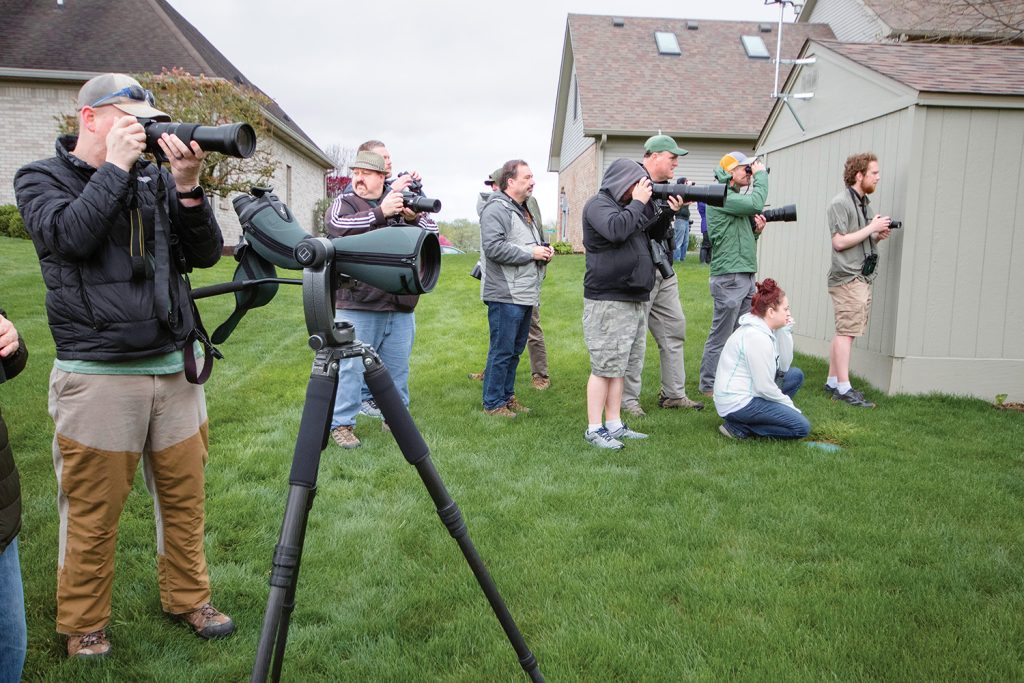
[706, 83]
[49, 48]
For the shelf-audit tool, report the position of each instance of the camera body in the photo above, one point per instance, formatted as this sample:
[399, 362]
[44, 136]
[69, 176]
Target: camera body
[413, 199]
[661, 260]
[895, 223]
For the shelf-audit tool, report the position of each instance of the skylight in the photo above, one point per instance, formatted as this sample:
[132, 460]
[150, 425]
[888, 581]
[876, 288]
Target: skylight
[667, 43]
[754, 47]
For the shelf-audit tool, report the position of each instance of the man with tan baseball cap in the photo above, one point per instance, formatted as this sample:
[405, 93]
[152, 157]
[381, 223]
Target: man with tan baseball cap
[121, 91]
[105, 223]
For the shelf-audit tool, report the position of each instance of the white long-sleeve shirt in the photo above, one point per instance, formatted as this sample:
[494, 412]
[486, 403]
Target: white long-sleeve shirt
[747, 367]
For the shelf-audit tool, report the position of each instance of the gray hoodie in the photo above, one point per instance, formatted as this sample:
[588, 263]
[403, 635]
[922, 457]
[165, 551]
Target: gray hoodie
[619, 262]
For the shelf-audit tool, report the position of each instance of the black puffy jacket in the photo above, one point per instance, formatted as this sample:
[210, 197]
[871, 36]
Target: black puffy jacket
[10, 487]
[80, 223]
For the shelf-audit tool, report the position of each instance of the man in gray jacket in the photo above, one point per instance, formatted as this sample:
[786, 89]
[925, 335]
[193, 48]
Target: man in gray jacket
[511, 271]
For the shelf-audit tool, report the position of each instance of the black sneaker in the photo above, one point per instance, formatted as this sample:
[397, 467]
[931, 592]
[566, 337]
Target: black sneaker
[830, 390]
[854, 398]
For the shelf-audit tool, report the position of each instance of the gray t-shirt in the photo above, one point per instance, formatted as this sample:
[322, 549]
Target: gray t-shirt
[845, 217]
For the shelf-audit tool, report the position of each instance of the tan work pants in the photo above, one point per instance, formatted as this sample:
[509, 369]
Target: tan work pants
[103, 425]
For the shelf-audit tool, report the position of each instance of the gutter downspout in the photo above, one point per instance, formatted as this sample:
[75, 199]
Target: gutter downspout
[600, 160]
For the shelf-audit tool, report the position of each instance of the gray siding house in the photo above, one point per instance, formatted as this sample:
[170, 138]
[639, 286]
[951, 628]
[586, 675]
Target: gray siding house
[872, 21]
[45, 56]
[708, 93]
[947, 123]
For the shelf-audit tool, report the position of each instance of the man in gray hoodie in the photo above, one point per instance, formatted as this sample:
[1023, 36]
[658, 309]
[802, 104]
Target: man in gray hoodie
[514, 255]
[618, 224]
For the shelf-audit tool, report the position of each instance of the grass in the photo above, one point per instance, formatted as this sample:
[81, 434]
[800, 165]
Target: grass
[685, 557]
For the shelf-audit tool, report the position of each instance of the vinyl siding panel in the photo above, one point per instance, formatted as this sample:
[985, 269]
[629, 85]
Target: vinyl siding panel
[798, 254]
[964, 279]
[849, 20]
[573, 141]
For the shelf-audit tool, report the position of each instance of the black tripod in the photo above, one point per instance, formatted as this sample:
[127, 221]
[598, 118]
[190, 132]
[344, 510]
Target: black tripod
[332, 343]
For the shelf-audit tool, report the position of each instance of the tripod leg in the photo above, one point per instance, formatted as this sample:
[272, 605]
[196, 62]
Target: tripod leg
[415, 450]
[284, 576]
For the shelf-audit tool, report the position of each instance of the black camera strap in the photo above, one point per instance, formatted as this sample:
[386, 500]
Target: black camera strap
[165, 285]
[858, 203]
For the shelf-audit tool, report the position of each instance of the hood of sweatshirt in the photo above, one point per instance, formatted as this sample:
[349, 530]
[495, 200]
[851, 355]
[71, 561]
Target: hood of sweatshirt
[620, 175]
[755, 322]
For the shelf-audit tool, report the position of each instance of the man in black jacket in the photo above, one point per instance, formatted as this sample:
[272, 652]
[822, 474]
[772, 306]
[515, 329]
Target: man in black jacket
[618, 224]
[114, 235]
[13, 356]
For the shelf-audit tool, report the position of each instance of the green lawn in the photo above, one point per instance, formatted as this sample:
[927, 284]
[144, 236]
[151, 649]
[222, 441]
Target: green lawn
[685, 557]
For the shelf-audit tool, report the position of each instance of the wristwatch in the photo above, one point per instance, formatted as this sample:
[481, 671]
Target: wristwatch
[195, 193]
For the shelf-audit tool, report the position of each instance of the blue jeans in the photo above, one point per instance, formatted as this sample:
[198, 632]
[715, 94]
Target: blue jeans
[14, 640]
[682, 228]
[769, 418]
[510, 327]
[391, 334]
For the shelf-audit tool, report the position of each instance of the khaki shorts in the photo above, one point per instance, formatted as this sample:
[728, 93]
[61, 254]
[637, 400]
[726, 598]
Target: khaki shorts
[852, 302]
[611, 330]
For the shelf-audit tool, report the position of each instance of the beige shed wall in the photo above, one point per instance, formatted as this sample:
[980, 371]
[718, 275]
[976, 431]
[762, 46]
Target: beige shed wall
[944, 316]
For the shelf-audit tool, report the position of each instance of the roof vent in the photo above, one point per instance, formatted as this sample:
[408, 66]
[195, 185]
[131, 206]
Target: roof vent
[692, 26]
[618, 22]
[667, 43]
[764, 28]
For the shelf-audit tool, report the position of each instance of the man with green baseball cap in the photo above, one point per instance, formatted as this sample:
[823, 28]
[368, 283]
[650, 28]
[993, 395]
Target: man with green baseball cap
[665, 317]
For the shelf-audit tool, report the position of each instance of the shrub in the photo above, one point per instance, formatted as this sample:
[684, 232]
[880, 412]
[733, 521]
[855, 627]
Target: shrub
[562, 247]
[694, 243]
[317, 226]
[11, 224]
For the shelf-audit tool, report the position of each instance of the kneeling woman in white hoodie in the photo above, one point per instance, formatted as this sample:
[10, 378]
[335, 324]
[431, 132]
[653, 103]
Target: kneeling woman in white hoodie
[754, 383]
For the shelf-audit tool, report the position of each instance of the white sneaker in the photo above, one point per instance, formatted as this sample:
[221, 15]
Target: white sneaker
[602, 439]
[370, 409]
[624, 432]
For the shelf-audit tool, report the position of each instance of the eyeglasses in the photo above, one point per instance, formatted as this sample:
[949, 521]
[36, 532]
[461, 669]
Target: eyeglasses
[132, 92]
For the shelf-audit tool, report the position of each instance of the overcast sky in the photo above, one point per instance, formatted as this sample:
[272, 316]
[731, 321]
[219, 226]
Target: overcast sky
[453, 87]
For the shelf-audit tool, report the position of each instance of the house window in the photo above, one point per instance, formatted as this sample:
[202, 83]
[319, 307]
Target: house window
[667, 43]
[754, 47]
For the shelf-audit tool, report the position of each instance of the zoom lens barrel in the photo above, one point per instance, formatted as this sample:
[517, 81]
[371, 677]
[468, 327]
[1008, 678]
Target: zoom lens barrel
[233, 139]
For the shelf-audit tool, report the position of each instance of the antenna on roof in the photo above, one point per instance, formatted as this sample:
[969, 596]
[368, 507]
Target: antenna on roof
[786, 97]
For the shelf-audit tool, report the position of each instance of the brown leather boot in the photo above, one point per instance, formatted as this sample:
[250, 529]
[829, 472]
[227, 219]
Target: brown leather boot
[89, 645]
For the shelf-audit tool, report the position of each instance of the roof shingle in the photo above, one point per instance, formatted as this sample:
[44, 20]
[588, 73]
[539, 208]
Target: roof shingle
[712, 88]
[131, 36]
[942, 68]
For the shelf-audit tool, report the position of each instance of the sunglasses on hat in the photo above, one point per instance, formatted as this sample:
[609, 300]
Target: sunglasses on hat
[132, 92]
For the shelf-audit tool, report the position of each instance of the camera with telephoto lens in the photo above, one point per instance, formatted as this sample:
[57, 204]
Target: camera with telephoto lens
[413, 199]
[713, 195]
[233, 139]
